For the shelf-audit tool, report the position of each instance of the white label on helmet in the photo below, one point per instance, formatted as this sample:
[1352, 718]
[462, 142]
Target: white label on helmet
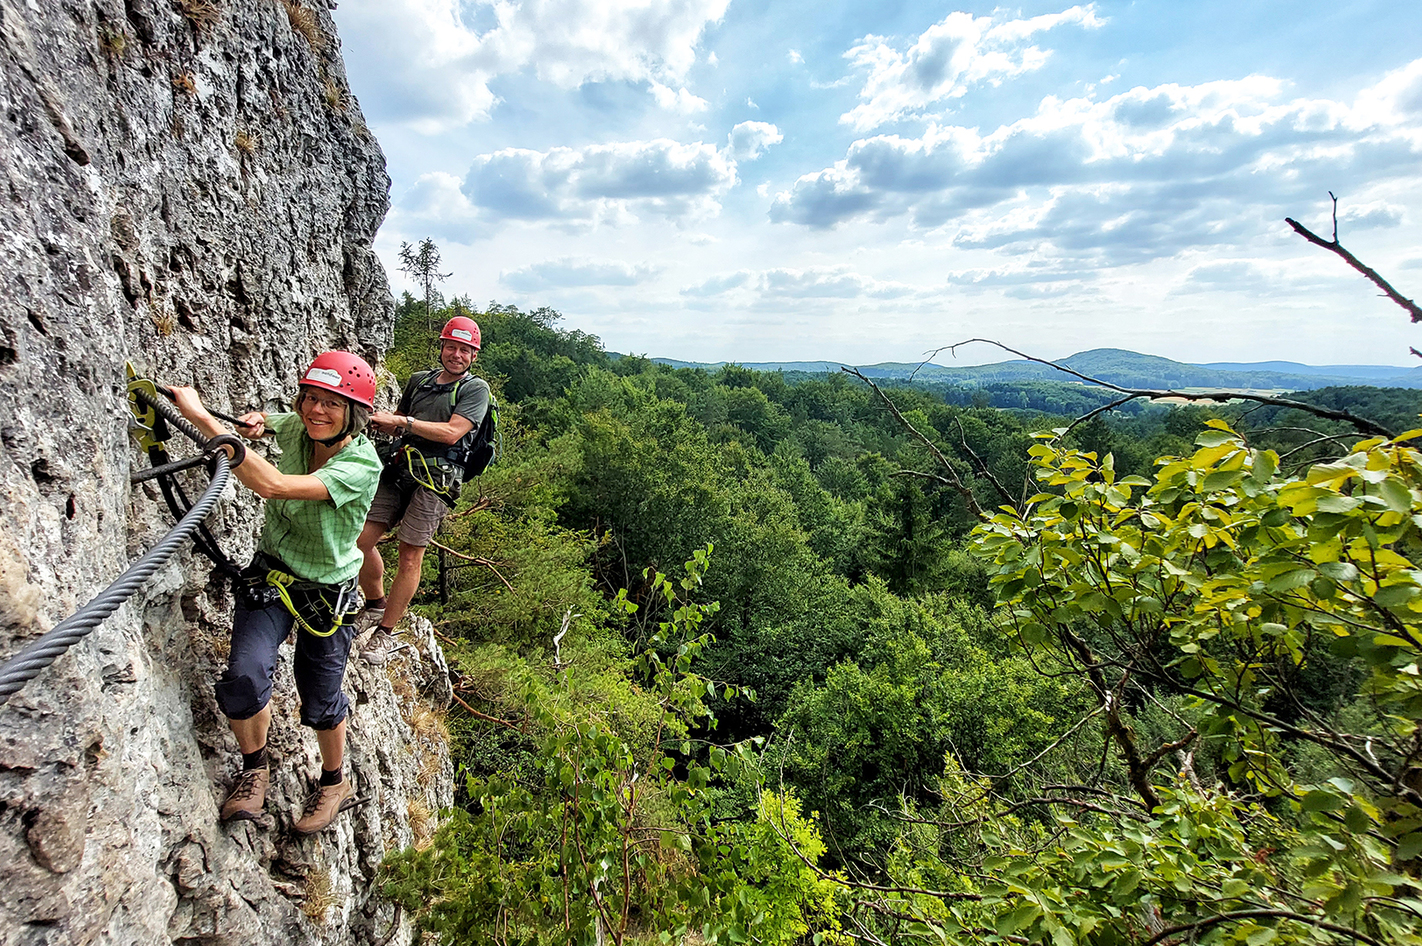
[464, 335]
[324, 376]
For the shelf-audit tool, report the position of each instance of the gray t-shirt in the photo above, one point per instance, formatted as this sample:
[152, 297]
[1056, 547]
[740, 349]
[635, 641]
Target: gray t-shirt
[424, 399]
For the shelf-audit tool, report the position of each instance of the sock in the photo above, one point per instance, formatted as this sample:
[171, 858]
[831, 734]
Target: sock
[255, 760]
[331, 776]
[377, 604]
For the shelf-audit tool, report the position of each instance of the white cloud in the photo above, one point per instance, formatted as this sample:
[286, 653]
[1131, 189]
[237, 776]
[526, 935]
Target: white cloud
[1261, 278]
[571, 271]
[602, 183]
[717, 284]
[749, 140]
[436, 58]
[816, 282]
[1140, 175]
[436, 204]
[679, 101]
[959, 51]
[794, 56]
[1370, 215]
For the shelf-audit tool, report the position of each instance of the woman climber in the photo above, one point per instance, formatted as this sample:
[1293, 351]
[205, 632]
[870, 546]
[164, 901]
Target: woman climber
[303, 575]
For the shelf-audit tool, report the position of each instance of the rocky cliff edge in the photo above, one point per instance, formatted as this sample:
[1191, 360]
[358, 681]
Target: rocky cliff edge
[189, 185]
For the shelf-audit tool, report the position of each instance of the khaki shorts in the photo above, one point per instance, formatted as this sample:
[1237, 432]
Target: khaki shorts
[422, 517]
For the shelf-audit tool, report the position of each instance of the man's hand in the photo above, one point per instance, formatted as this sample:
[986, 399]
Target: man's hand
[387, 423]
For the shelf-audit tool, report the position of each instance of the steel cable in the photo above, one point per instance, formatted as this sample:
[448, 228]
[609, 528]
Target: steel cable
[34, 657]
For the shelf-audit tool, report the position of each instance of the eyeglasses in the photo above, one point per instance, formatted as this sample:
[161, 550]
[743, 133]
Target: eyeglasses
[331, 405]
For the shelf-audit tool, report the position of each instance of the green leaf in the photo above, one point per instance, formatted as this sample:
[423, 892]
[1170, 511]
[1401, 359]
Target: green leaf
[1012, 922]
[1266, 464]
[1337, 502]
[1357, 819]
[1318, 800]
[1288, 581]
[1393, 596]
[1262, 936]
[1214, 438]
[1396, 494]
[1339, 571]
[1234, 887]
[1222, 479]
[1275, 518]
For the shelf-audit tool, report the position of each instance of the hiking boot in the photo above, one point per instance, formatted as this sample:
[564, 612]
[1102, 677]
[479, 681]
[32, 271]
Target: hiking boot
[366, 619]
[248, 795]
[322, 807]
[379, 648]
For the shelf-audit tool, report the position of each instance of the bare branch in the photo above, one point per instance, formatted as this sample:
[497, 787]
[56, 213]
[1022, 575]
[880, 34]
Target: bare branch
[983, 470]
[477, 560]
[1362, 423]
[1216, 920]
[952, 479]
[1100, 410]
[1333, 246]
[486, 717]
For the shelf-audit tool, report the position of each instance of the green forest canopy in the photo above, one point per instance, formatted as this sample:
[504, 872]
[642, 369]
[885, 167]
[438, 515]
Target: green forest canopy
[806, 698]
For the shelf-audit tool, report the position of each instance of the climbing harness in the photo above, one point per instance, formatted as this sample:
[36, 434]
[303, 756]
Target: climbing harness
[313, 605]
[441, 478]
[150, 414]
[437, 467]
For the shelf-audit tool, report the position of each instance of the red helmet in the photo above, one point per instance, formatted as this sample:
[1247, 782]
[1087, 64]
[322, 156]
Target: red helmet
[461, 329]
[344, 373]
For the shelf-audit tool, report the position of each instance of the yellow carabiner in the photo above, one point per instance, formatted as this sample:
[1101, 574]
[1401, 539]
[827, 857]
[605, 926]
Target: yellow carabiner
[145, 418]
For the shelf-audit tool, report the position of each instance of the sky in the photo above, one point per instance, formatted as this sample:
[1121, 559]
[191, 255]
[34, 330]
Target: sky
[862, 182]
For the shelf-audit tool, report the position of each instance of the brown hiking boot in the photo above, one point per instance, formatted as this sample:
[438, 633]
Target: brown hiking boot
[367, 618]
[248, 795]
[322, 807]
[380, 648]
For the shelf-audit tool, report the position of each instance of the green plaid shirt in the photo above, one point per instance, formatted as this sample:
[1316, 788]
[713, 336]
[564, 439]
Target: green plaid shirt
[317, 538]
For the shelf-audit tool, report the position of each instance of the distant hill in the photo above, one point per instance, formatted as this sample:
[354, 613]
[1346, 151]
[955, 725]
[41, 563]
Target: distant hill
[1126, 368]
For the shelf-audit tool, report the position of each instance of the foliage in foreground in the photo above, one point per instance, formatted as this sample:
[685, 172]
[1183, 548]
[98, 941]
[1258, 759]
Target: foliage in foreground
[1231, 593]
[616, 838]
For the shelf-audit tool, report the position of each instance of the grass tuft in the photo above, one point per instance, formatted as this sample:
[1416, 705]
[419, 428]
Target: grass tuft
[320, 896]
[113, 42]
[303, 20]
[203, 15]
[335, 96]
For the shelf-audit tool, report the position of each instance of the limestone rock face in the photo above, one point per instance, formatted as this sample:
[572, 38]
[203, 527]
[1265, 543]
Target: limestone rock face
[189, 185]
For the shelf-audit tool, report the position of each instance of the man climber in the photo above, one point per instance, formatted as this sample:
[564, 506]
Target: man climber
[437, 411]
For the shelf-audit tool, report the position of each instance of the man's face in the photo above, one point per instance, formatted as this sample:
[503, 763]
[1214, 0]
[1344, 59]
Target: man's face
[456, 357]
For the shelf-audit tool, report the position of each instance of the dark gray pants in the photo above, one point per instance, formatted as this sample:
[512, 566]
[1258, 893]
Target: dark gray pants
[320, 666]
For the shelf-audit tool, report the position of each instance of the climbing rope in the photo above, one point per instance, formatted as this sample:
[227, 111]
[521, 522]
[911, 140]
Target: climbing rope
[27, 664]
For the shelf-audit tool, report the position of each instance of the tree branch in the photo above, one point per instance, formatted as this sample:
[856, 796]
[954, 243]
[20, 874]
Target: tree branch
[983, 470]
[477, 560]
[953, 478]
[1362, 423]
[1333, 246]
[1252, 914]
